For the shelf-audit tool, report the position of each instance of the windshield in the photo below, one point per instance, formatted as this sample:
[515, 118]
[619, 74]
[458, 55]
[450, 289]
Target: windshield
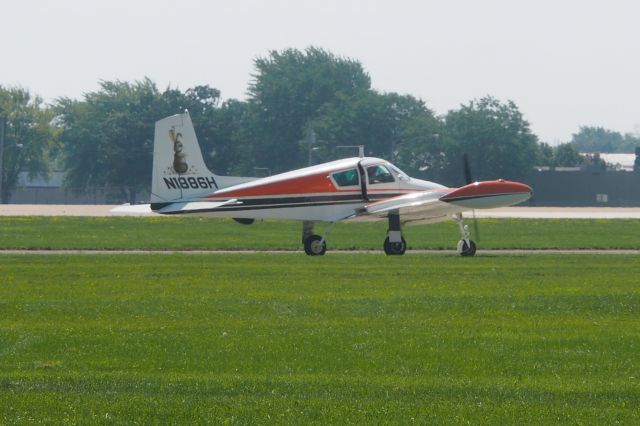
[379, 174]
[400, 173]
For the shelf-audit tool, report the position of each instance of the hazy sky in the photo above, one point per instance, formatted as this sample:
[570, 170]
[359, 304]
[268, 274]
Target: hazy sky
[565, 63]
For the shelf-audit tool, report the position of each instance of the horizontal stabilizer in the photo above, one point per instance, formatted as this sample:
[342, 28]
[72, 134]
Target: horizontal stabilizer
[195, 206]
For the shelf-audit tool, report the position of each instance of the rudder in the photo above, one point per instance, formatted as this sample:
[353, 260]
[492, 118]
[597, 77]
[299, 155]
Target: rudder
[179, 171]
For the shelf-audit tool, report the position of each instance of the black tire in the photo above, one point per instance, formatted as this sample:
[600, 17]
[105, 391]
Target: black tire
[313, 247]
[394, 249]
[468, 250]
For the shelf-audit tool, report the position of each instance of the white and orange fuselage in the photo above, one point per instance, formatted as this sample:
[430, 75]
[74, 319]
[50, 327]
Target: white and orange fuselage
[316, 194]
[347, 189]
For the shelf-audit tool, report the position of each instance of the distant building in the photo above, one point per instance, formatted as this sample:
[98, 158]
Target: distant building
[616, 185]
[619, 161]
[51, 191]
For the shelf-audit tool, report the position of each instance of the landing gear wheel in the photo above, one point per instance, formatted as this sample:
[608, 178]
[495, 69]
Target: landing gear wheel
[314, 246]
[396, 249]
[466, 250]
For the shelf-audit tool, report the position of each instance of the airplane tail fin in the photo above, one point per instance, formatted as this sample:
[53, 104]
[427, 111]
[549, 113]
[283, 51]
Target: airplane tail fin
[179, 171]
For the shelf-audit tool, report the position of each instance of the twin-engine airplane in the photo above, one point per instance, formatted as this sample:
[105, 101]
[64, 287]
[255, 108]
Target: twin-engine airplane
[349, 189]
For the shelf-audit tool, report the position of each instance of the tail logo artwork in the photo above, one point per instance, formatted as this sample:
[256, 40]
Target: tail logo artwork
[192, 180]
[179, 158]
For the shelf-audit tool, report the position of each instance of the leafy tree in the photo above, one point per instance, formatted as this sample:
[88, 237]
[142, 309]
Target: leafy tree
[495, 136]
[544, 155]
[221, 127]
[354, 120]
[595, 162]
[397, 127]
[401, 126]
[200, 101]
[421, 151]
[231, 124]
[566, 155]
[631, 142]
[108, 136]
[286, 95]
[598, 139]
[29, 136]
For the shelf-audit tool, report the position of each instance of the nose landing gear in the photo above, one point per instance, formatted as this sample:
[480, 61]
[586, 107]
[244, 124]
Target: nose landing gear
[315, 245]
[466, 246]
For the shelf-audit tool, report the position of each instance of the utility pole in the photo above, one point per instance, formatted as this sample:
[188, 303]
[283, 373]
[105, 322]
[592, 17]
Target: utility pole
[3, 121]
[393, 149]
[311, 144]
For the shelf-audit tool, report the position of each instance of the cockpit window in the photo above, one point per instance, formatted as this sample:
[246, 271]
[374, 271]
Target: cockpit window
[346, 178]
[400, 173]
[379, 174]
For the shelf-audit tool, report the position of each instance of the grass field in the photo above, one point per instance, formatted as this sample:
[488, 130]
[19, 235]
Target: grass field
[210, 233]
[345, 338]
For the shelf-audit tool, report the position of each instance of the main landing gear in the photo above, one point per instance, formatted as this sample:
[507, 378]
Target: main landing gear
[466, 246]
[394, 244]
[314, 245]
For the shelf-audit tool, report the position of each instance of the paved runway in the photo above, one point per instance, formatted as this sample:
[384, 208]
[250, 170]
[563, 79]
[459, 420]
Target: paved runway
[506, 212]
[561, 213]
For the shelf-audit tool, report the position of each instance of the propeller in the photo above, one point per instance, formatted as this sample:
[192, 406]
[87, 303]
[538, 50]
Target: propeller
[468, 179]
[476, 230]
[467, 170]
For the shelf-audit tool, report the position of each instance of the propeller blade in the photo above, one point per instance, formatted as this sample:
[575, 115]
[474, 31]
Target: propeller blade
[476, 229]
[467, 180]
[467, 170]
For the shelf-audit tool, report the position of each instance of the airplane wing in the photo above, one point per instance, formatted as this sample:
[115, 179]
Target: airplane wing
[420, 206]
[438, 204]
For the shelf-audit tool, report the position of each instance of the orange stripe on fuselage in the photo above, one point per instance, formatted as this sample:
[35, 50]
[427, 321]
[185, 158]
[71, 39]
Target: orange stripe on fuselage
[311, 184]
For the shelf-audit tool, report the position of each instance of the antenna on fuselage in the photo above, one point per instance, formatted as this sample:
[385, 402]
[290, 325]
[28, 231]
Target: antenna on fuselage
[360, 149]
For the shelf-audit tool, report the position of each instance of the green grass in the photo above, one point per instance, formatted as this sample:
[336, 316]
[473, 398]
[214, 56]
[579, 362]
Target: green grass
[345, 338]
[211, 233]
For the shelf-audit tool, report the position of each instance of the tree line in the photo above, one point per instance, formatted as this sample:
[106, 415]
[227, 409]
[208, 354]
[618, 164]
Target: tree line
[302, 106]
